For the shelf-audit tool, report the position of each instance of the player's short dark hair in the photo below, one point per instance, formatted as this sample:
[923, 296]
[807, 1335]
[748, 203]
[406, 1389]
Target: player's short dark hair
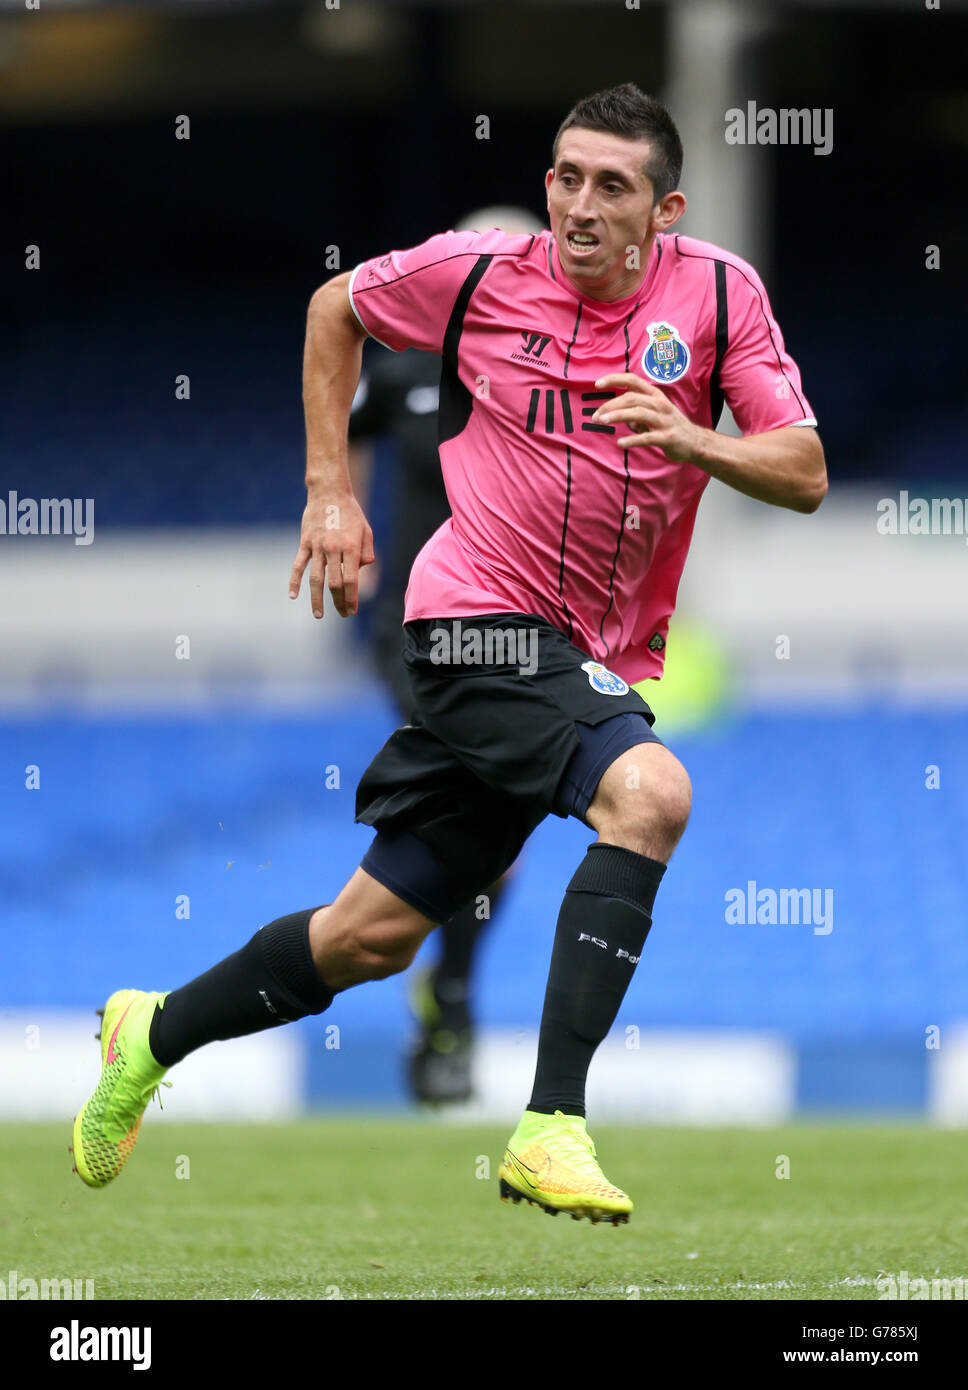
[629, 112]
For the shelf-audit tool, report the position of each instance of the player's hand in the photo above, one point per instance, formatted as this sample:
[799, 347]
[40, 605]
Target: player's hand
[369, 583]
[337, 539]
[656, 422]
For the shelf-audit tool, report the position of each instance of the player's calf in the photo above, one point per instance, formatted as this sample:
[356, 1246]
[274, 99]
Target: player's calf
[639, 808]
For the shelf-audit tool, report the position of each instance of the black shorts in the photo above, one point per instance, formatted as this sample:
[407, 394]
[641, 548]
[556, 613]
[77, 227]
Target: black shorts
[512, 721]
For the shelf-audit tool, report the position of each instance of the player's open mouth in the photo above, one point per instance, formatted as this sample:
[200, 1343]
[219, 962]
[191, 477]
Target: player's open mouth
[581, 243]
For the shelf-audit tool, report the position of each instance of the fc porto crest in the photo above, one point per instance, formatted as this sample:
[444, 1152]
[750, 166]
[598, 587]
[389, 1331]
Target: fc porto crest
[604, 681]
[667, 357]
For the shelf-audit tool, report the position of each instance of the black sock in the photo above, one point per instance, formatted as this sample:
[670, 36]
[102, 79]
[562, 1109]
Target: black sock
[459, 936]
[272, 980]
[602, 927]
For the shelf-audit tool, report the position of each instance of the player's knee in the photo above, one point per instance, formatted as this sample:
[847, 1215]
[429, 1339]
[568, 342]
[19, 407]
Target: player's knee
[672, 802]
[664, 815]
[650, 812]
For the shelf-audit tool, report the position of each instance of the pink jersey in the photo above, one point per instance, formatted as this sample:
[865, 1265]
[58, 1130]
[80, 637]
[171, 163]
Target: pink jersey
[549, 515]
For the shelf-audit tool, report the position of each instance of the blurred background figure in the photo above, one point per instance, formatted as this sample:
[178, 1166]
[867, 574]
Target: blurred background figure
[397, 397]
[180, 744]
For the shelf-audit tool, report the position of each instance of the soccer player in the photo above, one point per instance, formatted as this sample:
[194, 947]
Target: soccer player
[582, 378]
[397, 396]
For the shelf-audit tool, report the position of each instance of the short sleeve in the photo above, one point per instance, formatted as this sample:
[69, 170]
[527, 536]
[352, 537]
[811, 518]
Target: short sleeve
[758, 377]
[405, 298]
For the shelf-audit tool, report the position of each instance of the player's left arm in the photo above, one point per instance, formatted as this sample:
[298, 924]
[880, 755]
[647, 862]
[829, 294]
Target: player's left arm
[785, 467]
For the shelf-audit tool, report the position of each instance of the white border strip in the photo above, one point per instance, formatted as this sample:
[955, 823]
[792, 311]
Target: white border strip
[349, 290]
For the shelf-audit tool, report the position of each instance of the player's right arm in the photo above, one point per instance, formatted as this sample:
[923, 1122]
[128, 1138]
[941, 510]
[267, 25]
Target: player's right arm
[335, 539]
[402, 299]
[368, 421]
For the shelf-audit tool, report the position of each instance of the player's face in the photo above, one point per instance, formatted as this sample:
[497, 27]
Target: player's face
[601, 204]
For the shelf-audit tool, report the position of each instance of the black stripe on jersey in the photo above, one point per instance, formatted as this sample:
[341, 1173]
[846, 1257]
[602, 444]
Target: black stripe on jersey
[592, 426]
[456, 402]
[551, 264]
[625, 502]
[691, 256]
[573, 337]
[564, 531]
[566, 411]
[722, 342]
[442, 260]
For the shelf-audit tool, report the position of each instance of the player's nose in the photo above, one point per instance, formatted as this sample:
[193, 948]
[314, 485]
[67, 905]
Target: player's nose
[582, 214]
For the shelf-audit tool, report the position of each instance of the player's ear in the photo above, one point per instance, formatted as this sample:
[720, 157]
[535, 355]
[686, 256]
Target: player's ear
[668, 210]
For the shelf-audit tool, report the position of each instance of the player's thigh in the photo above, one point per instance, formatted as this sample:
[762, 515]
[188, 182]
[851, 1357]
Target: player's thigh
[444, 835]
[377, 916]
[642, 800]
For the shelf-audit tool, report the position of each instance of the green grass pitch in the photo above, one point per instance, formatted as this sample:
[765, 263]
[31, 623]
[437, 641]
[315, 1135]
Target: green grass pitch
[409, 1209]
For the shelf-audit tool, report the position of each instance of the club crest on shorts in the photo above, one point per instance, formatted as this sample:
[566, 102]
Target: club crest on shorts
[666, 358]
[603, 680]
